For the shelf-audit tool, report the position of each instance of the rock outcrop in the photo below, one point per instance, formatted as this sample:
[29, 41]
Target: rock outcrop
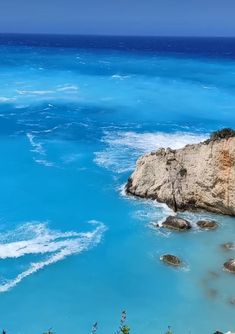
[199, 176]
[171, 260]
[207, 224]
[230, 266]
[175, 223]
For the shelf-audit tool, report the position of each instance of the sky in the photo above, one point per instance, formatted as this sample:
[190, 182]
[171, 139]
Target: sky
[119, 17]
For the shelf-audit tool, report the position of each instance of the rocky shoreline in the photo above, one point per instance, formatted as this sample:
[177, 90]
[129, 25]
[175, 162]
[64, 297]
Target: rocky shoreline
[196, 177]
[178, 224]
[199, 176]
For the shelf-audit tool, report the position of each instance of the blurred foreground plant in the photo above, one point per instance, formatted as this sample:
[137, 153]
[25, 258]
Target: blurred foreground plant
[123, 328]
[169, 331]
[49, 331]
[94, 328]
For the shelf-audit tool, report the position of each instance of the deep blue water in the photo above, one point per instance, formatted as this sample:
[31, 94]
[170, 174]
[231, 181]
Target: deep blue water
[75, 114]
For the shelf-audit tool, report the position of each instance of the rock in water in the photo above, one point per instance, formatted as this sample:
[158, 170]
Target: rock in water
[230, 266]
[207, 224]
[228, 246]
[231, 301]
[175, 223]
[171, 260]
[199, 176]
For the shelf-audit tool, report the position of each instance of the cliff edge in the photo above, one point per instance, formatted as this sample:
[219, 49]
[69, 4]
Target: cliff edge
[199, 176]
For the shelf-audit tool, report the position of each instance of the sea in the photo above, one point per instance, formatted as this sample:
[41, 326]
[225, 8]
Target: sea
[76, 112]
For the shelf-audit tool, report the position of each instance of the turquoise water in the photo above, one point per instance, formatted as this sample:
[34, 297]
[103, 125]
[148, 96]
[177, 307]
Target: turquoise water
[73, 248]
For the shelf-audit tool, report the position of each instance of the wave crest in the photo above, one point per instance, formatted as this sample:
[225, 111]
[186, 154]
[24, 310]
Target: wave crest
[123, 148]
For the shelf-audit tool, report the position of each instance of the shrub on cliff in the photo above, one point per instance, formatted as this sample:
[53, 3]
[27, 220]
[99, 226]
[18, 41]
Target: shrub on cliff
[222, 134]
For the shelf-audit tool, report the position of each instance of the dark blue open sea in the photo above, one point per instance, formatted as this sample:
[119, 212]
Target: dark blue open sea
[75, 114]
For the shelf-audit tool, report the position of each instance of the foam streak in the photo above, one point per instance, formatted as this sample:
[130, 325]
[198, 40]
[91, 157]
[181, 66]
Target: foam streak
[36, 238]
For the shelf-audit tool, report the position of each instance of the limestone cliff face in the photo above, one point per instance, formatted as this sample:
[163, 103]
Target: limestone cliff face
[200, 176]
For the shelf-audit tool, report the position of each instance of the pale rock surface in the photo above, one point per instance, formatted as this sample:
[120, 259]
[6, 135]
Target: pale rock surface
[199, 176]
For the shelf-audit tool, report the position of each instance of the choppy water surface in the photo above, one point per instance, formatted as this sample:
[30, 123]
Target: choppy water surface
[75, 114]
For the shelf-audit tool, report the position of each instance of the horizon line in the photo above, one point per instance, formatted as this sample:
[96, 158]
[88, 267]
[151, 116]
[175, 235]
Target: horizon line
[113, 35]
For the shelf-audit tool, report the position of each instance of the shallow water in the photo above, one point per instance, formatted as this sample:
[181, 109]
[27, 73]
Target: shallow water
[74, 117]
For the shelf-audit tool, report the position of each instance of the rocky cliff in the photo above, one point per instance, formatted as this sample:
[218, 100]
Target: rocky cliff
[200, 176]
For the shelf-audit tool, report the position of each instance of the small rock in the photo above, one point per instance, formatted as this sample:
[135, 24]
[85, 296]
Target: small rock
[230, 266]
[212, 293]
[231, 301]
[178, 224]
[172, 260]
[228, 246]
[207, 224]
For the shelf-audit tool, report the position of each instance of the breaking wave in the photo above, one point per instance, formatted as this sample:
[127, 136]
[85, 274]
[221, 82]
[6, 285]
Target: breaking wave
[36, 238]
[124, 148]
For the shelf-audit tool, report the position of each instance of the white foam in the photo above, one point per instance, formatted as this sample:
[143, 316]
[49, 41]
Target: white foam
[36, 238]
[150, 211]
[34, 92]
[44, 162]
[21, 106]
[41, 147]
[120, 77]
[123, 148]
[68, 88]
[47, 130]
[208, 87]
[6, 99]
[36, 146]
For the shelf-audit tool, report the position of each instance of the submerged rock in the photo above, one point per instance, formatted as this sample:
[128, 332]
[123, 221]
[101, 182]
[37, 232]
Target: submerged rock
[230, 266]
[199, 176]
[171, 260]
[213, 274]
[231, 301]
[207, 224]
[228, 246]
[175, 223]
[212, 293]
